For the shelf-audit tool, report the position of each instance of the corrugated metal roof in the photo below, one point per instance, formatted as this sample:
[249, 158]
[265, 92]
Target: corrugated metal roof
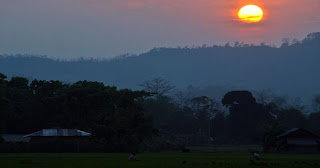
[288, 132]
[15, 138]
[58, 132]
[297, 129]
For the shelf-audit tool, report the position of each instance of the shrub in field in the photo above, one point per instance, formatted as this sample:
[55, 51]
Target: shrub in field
[270, 137]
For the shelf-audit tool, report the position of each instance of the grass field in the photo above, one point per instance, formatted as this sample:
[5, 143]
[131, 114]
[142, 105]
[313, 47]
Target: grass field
[220, 159]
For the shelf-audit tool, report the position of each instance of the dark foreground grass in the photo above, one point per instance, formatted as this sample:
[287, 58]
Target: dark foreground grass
[158, 160]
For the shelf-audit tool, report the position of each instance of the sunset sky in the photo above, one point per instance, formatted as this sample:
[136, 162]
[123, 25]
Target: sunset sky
[106, 28]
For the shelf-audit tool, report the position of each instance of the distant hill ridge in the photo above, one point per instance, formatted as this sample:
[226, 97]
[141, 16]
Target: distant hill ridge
[292, 68]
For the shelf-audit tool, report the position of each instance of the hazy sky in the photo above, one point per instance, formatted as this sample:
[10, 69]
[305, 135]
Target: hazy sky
[106, 28]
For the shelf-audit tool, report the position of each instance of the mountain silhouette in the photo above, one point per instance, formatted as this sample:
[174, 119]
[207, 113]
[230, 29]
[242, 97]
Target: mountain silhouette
[292, 68]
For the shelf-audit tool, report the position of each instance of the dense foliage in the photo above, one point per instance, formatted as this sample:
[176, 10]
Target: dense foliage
[238, 119]
[124, 120]
[116, 116]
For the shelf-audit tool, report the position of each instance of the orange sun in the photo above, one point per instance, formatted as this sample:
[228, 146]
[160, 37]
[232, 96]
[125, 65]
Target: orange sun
[250, 14]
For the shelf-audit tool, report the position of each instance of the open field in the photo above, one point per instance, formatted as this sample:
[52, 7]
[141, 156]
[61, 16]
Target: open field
[158, 160]
[225, 149]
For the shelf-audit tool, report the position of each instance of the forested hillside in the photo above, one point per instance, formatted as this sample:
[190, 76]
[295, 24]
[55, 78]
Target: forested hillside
[290, 69]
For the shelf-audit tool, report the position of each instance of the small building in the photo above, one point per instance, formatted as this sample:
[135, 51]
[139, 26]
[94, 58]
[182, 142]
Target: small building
[48, 135]
[58, 140]
[15, 138]
[298, 140]
[13, 143]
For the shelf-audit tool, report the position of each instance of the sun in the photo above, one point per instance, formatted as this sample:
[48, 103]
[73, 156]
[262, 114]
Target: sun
[250, 14]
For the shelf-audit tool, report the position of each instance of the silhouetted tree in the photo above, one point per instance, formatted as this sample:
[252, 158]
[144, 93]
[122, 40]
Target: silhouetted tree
[204, 108]
[313, 122]
[246, 117]
[316, 102]
[157, 86]
[292, 118]
[161, 109]
[270, 137]
[219, 128]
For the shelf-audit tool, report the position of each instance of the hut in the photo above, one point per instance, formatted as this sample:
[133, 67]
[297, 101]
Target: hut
[58, 140]
[47, 135]
[13, 143]
[298, 140]
[15, 138]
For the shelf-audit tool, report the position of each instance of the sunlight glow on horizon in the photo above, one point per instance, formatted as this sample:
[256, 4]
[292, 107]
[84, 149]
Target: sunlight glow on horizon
[106, 28]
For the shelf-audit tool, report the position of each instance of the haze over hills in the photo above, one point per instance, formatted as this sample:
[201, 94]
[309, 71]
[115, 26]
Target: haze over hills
[292, 68]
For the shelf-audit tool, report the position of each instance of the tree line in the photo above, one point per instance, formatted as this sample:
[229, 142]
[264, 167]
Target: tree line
[152, 118]
[115, 116]
[240, 117]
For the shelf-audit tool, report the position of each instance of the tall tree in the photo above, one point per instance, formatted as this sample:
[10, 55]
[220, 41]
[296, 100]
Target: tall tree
[246, 117]
[292, 118]
[157, 86]
[204, 108]
[316, 102]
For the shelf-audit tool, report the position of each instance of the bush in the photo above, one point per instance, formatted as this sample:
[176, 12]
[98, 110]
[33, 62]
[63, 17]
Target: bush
[164, 144]
[1, 139]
